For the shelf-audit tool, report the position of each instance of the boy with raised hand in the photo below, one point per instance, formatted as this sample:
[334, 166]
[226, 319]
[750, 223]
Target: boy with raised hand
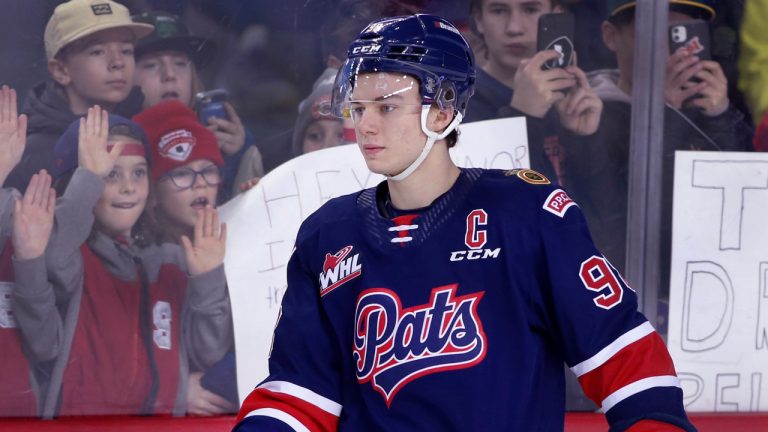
[25, 227]
[559, 105]
[89, 47]
[170, 301]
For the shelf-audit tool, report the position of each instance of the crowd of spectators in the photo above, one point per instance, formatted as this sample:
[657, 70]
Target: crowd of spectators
[112, 132]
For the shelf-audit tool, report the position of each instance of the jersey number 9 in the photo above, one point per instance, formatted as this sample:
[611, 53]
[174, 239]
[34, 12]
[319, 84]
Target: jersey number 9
[597, 276]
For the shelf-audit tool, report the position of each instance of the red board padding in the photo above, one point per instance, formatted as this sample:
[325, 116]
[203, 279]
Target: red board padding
[574, 422]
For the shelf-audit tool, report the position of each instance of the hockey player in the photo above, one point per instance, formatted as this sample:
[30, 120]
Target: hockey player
[446, 298]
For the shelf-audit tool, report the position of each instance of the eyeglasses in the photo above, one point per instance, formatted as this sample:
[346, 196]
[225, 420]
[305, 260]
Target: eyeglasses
[184, 178]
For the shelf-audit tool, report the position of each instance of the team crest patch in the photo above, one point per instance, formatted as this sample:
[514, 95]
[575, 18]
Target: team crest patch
[528, 176]
[394, 345]
[338, 269]
[177, 145]
[558, 202]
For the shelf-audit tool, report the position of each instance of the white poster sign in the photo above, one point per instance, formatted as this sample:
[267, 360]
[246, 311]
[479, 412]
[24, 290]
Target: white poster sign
[262, 225]
[718, 311]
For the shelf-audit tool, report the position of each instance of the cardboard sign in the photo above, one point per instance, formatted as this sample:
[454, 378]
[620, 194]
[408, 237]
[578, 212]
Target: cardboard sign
[262, 225]
[718, 310]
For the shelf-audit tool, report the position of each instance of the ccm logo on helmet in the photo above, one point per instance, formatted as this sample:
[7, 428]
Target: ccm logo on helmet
[368, 49]
[475, 239]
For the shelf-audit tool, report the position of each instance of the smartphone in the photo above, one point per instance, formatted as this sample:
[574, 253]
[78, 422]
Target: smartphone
[211, 104]
[693, 35]
[555, 32]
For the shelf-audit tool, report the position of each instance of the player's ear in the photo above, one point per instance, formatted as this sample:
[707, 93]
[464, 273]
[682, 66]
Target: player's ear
[439, 119]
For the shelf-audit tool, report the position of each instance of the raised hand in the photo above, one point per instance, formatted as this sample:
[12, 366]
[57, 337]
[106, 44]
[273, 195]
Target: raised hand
[13, 132]
[207, 251]
[230, 134]
[536, 90]
[581, 108]
[33, 218]
[92, 143]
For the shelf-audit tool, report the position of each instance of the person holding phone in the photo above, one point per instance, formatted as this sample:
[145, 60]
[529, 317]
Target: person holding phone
[558, 102]
[167, 64]
[698, 116]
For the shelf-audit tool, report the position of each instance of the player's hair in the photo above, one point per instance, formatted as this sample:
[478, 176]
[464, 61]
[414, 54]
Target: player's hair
[452, 138]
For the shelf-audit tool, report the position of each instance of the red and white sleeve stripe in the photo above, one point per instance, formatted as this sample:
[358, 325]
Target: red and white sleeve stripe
[634, 362]
[300, 408]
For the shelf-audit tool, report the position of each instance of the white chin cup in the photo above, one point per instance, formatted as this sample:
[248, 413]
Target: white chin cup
[431, 138]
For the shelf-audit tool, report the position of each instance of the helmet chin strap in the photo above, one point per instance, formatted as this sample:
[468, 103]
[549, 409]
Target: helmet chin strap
[431, 138]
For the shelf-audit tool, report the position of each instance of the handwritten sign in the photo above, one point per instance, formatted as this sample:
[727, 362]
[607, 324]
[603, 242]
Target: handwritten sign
[718, 319]
[262, 225]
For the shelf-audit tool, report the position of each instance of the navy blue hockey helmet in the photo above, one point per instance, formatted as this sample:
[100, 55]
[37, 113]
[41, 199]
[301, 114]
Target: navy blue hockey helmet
[425, 46]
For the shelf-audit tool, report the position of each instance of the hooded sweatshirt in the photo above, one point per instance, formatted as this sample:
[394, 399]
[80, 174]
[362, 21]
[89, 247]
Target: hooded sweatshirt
[600, 170]
[134, 322]
[548, 141]
[49, 116]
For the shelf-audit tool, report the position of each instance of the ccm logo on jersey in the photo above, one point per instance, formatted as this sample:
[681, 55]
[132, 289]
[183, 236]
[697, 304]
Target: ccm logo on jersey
[558, 202]
[475, 238]
[339, 269]
[394, 345]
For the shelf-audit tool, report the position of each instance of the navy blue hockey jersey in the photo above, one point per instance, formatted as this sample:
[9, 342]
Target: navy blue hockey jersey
[457, 318]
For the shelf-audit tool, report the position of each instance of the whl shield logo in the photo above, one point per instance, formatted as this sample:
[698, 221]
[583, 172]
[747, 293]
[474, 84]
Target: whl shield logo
[338, 270]
[394, 346]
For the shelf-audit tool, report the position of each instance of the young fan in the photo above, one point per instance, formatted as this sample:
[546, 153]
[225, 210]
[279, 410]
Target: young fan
[185, 177]
[167, 64]
[25, 226]
[89, 47]
[138, 316]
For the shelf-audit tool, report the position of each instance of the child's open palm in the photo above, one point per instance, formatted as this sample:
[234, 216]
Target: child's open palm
[207, 251]
[33, 218]
[93, 154]
[13, 131]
